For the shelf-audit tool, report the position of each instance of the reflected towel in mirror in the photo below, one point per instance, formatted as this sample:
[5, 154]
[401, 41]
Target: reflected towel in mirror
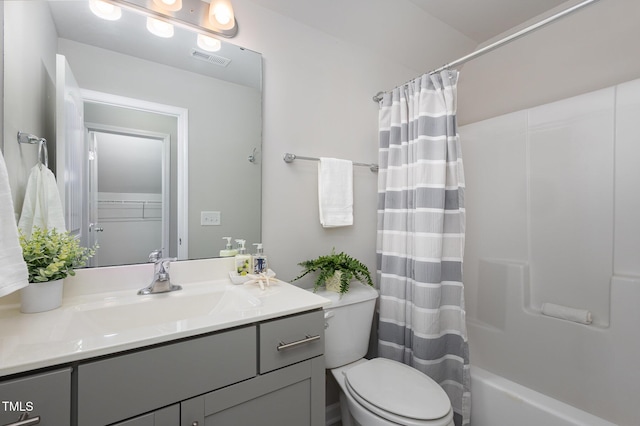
[42, 206]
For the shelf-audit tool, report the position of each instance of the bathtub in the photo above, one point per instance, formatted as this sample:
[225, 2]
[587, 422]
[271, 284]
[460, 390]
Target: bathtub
[496, 401]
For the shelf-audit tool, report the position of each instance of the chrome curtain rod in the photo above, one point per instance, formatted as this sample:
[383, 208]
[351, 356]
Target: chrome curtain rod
[289, 158]
[503, 41]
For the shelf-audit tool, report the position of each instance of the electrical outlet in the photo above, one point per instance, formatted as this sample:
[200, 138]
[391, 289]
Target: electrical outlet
[209, 218]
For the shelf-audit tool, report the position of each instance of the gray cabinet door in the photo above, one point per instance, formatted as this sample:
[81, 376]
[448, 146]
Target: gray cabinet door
[289, 396]
[289, 405]
[168, 416]
[45, 395]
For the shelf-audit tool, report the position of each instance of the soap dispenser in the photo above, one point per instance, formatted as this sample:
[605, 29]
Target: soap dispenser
[242, 259]
[259, 260]
[228, 251]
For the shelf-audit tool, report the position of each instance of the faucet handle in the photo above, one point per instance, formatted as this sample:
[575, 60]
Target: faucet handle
[164, 264]
[155, 255]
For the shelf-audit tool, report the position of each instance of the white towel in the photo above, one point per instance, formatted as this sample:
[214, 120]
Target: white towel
[335, 192]
[42, 206]
[13, 269]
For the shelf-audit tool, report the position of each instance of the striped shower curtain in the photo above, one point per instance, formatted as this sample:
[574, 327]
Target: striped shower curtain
[420, 243]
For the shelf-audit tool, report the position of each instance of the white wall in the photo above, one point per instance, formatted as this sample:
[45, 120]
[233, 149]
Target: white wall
[552, 217]
[591, 49]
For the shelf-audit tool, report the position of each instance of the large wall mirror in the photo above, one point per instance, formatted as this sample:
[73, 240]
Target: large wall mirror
[169, 147]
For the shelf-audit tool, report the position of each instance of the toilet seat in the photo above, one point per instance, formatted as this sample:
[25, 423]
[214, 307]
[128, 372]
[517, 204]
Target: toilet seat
[398, 393]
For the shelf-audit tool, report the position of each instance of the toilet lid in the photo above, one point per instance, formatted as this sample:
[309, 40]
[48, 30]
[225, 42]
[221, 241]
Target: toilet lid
[399, 389]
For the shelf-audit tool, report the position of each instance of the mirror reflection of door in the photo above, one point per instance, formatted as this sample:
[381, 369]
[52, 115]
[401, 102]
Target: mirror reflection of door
[127, 193]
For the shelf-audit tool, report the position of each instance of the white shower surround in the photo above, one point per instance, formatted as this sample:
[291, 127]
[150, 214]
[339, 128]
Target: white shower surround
[518, 226]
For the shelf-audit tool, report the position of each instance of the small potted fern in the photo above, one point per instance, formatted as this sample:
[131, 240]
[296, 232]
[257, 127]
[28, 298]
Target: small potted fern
[51, 256]
[336, 271]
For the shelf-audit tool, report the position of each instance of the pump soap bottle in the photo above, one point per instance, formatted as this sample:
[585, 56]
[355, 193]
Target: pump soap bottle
[228, 250]
[242, 259]
[259, 260]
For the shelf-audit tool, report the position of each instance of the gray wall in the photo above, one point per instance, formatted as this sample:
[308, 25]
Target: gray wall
[29, 64]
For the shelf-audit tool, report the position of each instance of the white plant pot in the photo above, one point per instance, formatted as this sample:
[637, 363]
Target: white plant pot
[41, 297]
[333, 283]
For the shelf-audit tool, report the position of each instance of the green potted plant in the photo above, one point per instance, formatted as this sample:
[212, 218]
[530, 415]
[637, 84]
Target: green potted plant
[336, 271]
[50, 256]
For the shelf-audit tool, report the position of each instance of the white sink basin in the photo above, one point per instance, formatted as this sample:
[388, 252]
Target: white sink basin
[126, 312]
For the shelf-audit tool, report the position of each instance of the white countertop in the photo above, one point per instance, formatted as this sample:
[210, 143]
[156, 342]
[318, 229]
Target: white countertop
[95, 324]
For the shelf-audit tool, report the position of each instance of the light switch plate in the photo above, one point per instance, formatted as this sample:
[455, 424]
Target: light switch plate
[209, 218]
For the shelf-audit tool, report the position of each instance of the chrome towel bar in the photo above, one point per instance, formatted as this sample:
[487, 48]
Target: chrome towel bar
[289, 158]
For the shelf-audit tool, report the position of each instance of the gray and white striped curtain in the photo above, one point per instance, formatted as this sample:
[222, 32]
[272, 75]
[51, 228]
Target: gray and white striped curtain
[420, 243]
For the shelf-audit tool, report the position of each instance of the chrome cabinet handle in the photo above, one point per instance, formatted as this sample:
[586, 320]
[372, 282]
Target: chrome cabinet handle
[282, 346]
[196, 423]
[24, 420]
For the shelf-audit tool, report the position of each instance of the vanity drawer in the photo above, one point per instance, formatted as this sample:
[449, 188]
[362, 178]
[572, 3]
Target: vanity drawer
[289, 340]
[124, 386]
[45, 395]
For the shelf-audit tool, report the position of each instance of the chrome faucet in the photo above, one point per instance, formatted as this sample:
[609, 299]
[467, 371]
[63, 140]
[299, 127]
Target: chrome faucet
[161, 281]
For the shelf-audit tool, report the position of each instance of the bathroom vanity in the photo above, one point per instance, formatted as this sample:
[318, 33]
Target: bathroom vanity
[255, 357]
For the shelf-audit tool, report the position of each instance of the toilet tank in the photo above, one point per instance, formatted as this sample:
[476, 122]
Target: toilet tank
[348, 324]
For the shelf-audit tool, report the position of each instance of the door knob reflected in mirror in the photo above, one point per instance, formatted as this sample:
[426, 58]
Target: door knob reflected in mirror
[93, 227]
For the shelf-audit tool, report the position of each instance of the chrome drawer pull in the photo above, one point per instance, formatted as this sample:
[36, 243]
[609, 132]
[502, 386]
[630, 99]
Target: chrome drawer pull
[24, 420]
[282, 346]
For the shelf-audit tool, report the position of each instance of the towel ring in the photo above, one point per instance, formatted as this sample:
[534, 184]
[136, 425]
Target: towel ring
[43, 154]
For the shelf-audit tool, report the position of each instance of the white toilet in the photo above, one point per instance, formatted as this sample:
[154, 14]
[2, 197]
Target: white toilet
[376, 392]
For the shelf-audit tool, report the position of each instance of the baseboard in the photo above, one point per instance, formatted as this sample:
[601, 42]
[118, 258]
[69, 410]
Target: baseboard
[332, 414]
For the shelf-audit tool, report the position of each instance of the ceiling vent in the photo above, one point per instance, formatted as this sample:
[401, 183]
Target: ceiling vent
[208, 57]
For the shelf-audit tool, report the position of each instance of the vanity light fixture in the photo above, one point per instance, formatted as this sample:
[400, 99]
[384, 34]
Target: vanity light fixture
[213, 17]
[170, 5]
[159, 28]
[105, 10]
[209, 44]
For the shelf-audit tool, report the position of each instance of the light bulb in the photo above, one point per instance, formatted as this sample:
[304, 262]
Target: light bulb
[209, 44]
[221, 14]
[170, 5]
[105, 10]
[159, 28]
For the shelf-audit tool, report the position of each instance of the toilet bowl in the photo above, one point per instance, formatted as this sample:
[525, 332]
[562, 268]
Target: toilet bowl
[376, 392]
